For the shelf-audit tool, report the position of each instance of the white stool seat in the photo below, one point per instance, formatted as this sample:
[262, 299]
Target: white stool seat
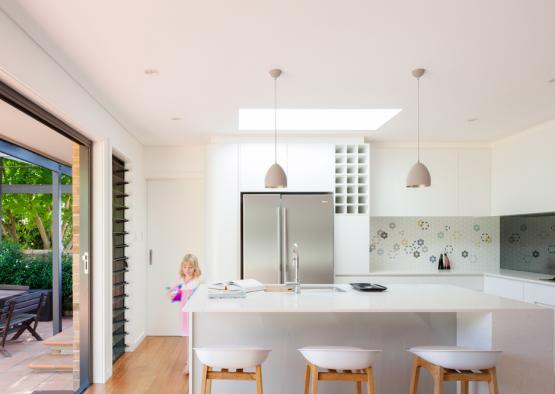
[340, 357]
[455, 357]
[232, 357]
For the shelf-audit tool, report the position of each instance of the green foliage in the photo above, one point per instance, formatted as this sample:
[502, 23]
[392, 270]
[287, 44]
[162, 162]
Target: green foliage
[35, 272]
[24, 216]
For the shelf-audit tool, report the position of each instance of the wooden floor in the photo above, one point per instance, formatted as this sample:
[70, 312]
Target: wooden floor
[156, 366]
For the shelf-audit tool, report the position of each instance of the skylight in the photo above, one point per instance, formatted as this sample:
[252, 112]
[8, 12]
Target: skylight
[315, 119]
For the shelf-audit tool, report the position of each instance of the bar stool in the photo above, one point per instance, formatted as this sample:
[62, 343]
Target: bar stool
[342, 364]
[453, 363]
[228, 359]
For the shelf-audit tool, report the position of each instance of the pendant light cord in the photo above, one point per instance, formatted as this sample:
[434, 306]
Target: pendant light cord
[275, 120]
[418, 116]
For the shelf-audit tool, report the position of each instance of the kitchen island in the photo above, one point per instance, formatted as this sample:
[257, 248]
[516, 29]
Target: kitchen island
[393, 321]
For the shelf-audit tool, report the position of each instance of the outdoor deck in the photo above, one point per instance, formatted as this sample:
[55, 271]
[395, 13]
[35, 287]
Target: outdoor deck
[17, 377]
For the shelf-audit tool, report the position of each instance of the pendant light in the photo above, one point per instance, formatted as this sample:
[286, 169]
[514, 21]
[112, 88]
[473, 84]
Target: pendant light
[275, 176]
[419, 176]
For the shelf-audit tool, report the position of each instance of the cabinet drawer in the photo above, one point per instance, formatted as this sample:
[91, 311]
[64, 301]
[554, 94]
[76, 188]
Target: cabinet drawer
[507, 288]
[541, 295]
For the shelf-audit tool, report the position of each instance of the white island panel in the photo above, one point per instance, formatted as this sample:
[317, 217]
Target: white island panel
[393, 321]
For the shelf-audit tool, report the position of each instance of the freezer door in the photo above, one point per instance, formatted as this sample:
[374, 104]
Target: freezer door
[308, 220]
[261, 237]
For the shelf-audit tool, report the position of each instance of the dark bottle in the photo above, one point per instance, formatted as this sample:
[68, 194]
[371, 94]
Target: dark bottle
[440, 264]
[447, 262]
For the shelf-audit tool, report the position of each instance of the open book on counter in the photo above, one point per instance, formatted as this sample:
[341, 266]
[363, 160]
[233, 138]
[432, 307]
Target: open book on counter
[234, 289]
[247, 285]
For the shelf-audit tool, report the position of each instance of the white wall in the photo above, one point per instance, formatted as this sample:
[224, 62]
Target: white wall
[461, 177]
[522, 168]
[166, 162]
[27, 68]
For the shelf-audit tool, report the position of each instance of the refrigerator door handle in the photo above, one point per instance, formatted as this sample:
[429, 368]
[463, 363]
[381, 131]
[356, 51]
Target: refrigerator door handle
[284, 254]
[280, 272]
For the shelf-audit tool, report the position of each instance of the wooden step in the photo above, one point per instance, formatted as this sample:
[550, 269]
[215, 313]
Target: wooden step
[51, 362]
[60, 343]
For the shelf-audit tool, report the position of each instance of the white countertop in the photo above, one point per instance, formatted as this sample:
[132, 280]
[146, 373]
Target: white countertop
[523, 276]
[398, 298]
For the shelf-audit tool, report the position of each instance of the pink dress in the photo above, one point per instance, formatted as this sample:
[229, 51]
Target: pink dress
[187, 289]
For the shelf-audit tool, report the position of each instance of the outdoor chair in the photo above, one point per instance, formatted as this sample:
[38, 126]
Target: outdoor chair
[19, 314]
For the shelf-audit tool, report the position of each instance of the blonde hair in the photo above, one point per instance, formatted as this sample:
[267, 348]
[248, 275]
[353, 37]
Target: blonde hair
[190, 259]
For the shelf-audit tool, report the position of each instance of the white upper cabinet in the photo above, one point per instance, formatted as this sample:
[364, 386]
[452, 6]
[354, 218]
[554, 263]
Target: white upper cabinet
[475, 182]
[309, 167]
[460, 182]
[254, 161]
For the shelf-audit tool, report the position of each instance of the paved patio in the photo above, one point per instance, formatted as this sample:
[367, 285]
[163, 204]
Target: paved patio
[16, 377]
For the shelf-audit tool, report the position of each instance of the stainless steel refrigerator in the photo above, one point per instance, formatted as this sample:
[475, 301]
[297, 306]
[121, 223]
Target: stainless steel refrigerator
[273, 223]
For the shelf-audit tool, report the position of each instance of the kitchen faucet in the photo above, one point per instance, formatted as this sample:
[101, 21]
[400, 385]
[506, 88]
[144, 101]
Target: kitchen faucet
[295, 261]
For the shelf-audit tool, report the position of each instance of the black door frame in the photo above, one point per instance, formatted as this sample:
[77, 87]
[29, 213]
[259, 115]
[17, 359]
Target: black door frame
[29, 107]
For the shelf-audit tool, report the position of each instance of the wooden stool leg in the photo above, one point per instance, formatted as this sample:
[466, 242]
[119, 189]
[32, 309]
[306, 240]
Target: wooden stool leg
[493, 389]
[258, 379]
[370, 381]
[464, 387]
[208, 386]
[314, 370]
[204, 379]
[415, 376]
[359, 387]
[438, 380]
[307, 379]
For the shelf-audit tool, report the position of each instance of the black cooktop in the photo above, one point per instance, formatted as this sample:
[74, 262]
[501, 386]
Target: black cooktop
[368, 287]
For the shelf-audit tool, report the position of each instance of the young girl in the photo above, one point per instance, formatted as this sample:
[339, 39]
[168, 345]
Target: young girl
[189, 272]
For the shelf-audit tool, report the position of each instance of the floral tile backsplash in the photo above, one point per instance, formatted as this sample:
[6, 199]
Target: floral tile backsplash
[415, 243]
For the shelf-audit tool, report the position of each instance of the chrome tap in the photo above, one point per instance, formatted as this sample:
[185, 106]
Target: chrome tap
[295, 261]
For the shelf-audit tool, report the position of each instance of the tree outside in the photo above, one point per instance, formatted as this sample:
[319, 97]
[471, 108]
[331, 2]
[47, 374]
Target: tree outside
[27, 218]
[27, 228]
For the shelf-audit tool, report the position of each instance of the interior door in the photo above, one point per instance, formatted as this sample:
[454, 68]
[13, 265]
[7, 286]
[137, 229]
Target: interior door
[308, 219]
[261, 237]
[175, 228]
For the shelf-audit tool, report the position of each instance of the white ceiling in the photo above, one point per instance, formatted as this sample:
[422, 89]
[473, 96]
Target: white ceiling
[489, 60]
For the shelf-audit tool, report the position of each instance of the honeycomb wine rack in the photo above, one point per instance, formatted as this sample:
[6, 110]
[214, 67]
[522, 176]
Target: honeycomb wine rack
[351, 179]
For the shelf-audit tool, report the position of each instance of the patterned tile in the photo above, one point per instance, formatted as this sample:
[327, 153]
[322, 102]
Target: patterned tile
[528, 243]
[471, 243]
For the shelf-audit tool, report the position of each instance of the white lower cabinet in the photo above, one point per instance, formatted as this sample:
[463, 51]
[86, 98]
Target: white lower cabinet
[544, 296]
[508, 288]
[541, 295]
[515, 289]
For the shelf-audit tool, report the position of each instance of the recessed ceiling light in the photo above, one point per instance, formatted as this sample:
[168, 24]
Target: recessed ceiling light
[176, 118]
[315, 119]
[470, 120]
[152, 71]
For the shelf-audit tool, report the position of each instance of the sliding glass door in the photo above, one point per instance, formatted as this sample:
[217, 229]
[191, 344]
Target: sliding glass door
[47, 219]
